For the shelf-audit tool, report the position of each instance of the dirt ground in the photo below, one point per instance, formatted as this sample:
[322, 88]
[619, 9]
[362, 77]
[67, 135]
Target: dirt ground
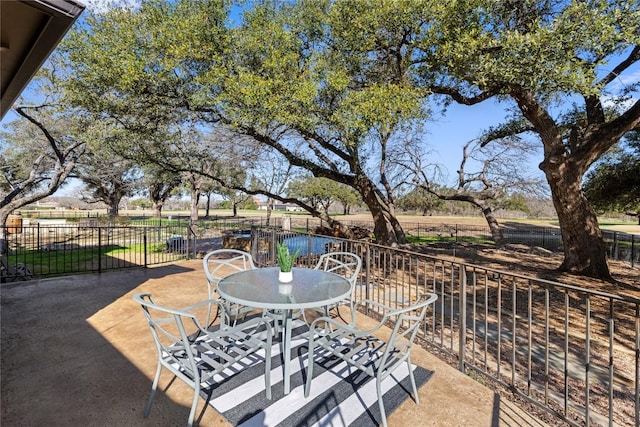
[522, 259]
[519, 258]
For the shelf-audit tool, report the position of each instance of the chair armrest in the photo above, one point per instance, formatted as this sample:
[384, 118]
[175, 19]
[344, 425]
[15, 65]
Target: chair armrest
[342, 326]
[369, 302]
[253, 324]
[203, 303]
[428, 299]
[422, 301]
[191, 308]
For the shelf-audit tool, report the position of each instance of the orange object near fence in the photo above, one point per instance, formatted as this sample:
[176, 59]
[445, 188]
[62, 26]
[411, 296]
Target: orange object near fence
[14, 223]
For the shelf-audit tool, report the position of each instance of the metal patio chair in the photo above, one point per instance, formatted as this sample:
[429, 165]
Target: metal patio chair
[374, 356]
[196, 355]
[345, 264]
[217, 265]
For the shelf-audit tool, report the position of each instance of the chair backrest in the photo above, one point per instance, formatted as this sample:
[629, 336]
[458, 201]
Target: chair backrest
[407, 323]
[223, 262]
[169, 329]
[345, 264]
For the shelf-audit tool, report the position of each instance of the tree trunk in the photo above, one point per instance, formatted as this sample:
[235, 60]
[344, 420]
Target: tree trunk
[583, 244]
[193, 206]
[112, 210]
[337, 226]
[381, 227]
[113, 200]
[157, 208]
[398, 231]
[564, 165]
[206, 213]
[269, 210]
[386, 226]
[4, 248]
[487, 212]
[496, 232]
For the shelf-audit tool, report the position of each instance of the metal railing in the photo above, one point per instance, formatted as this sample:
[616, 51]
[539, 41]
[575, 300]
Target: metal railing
[43, 250]
[623, 247]
[620, 246]
[574, 352]
[56, 246]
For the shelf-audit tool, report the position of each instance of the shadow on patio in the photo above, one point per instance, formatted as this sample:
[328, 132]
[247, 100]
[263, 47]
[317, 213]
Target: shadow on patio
[76, 351]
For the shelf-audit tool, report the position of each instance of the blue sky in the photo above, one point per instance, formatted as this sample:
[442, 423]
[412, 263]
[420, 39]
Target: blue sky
[462, 123]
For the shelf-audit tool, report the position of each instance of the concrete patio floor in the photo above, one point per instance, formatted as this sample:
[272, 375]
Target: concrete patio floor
[76, 351]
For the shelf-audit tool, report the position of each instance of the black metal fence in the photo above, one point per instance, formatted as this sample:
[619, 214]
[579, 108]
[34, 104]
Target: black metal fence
[620, 246]
[47, 249]
[623, 247]
[573, 352]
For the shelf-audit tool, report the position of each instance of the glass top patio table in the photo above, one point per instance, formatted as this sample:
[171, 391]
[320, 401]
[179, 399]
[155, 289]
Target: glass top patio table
[260, 288]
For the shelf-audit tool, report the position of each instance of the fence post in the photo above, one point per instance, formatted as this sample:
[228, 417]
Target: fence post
[462, 318]
[144, 245]
[367, 275]
[272, 247]
[191, 240]
[633, 250]
[255, 241]
[99, 249]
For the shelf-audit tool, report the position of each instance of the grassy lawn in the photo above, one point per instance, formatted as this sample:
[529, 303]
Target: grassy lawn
[78, 259]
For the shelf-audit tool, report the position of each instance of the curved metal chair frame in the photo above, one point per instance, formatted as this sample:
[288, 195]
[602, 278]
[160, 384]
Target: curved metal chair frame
[376, 357]
[345, 264]
[217, 265]
[196, 358]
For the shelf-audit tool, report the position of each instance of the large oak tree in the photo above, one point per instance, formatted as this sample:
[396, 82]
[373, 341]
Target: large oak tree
[559, 62]
[286, 77]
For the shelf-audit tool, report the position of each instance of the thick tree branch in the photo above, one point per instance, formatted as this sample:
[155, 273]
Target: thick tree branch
[460, 98]
[45, 132]
[633, 57]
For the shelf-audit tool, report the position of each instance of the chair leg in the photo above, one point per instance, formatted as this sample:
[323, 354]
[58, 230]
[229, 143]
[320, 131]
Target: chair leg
[310, 363]
[194, 404]
[208, 323]
[383, 414]
[413, 383]
[267, 370]
[327, 326]
[154, 387]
